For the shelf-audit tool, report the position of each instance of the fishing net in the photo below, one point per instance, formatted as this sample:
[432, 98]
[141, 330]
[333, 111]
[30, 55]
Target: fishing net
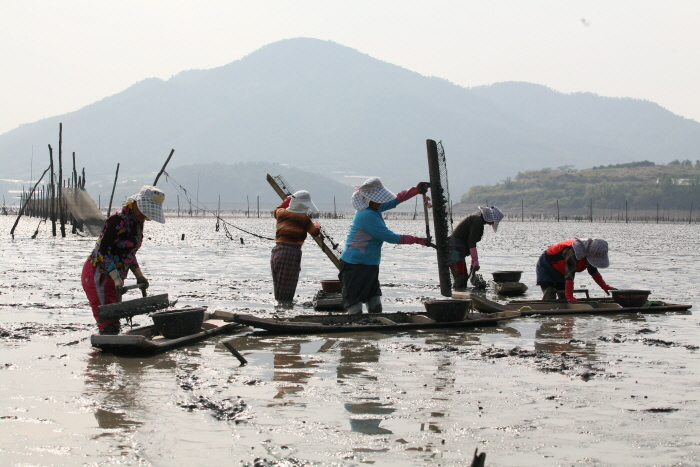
[88, 217]
[333, 247]
[442, 213]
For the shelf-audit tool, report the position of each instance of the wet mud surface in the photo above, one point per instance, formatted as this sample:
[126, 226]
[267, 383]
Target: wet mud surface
[579, 390]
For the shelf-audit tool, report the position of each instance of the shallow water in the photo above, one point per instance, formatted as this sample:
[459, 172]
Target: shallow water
[583, 391]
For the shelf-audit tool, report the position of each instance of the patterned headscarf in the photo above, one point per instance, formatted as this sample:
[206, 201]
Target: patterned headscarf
[595, 250]
[371, 190]
[492, 214]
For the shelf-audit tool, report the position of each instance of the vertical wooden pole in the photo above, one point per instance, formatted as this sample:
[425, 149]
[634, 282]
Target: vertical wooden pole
[111, 197]
[61, 209]
[75, 174]
[53, 194]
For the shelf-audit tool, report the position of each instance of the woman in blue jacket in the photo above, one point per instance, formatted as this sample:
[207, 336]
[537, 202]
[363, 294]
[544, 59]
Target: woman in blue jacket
[359, 263]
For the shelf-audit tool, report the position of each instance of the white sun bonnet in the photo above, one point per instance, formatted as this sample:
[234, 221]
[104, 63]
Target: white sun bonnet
[301, 203]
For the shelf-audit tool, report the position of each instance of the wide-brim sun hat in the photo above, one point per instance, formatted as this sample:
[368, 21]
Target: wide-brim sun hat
[301, 203]
[150, 202]
[595, 250]
[371, 190]
[492, 214]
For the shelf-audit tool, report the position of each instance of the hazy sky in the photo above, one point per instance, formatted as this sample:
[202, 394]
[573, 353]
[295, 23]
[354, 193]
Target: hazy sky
[58, 56]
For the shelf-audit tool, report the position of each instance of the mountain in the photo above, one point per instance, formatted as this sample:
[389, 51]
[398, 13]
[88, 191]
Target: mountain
[328, 109]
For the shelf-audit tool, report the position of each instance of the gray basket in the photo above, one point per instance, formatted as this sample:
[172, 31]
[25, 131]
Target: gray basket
[178, 323]
[444, 311]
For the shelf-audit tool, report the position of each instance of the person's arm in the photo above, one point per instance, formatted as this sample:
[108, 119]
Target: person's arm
[599, 280]
[313, 228]
[374, 226]
[570, 257]
[420, 189]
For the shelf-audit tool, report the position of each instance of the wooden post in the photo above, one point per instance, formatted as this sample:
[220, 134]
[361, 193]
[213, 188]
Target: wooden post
[557, 210]
[155, 182]
[690, 216]
[335, 213]
[61, 209]
[247, 212]
[522, 210]
[114, 185]
[53, 193]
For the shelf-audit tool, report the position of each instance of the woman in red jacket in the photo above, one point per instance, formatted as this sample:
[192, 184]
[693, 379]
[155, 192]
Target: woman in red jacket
[559, 263]
[114, 254]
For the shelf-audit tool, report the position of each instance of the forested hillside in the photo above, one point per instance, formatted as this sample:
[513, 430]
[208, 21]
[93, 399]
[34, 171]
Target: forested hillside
[642, 185]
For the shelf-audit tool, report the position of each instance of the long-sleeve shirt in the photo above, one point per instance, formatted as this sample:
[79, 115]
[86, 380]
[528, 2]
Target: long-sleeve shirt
[118, 243]
[367, 234]
[292, 227]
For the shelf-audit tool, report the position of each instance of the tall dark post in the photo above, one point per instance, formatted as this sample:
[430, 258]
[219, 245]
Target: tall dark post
[53, 196]
[116, 175]
[690, 216]
[155, 182]
[522, 210]
[75, 174]
[258, 206]
[626, 216]
[557, 210]
[335, 213]
[61, 210]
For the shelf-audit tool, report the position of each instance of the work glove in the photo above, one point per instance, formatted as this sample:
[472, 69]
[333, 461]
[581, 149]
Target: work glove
[285, 203]
[475, 259]
[140, 279]
[318, 226]
[569, 292]
[411, 240]
[599, 280]
[118, 283]
[422, 187]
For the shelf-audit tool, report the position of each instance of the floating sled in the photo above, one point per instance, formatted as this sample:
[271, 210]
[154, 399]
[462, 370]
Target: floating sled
[585, 306]
[380, 322]
[145, 340]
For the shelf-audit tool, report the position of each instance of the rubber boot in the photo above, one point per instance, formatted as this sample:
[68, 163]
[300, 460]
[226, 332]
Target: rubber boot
[550, 293]
[355, 309]
[460, 282]
[374, 304]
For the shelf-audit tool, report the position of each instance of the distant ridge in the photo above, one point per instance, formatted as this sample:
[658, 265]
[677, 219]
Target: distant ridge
[329, 109]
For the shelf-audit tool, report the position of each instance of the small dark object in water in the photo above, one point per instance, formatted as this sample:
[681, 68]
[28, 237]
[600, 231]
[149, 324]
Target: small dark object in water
[242, 241]
[444, 311]
[506, 276]
[178, 323]
[183, 237]
[630, 297]
[331, 286]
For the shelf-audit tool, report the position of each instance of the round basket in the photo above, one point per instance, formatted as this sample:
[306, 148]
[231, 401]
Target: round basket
[444, 311]
[178, 323]
[630, 298]
[331, 286]
[506, 276]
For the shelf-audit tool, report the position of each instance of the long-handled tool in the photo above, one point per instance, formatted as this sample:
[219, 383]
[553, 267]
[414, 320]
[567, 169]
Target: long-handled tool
[426, 205]
[138, 306]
